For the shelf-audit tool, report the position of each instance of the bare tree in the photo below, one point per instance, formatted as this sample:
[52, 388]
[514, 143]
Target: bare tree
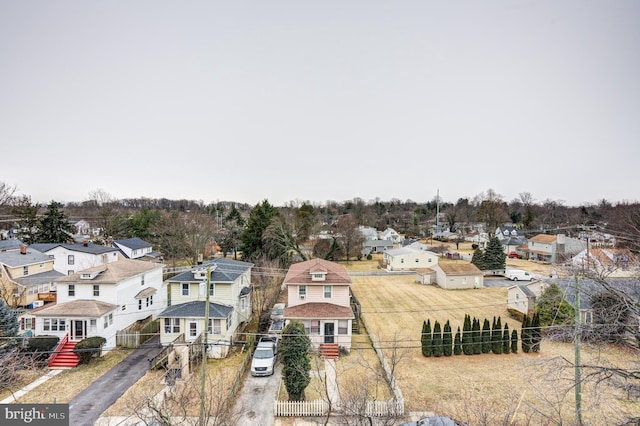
[12, 364]
[492, 210]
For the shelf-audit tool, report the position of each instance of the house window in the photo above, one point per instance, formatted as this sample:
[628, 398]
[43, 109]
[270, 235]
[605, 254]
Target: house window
[212, 290]
[70, 272]
[71, 259]
[54, 324]
[93, 324]
[328, 290]
[147, 302]
[185, 289]
[401, 260]
[151, 299]
[142, 280]
[302, 291]
[307, 326]
[342, 326]
[96, 290]
[172, 325]
[417, 260]
[106, 322]
[71, 290]
[315, 327]
[215, 326]
[27, 323]
[139, 304]
[25, 271]
[193, 329]
[243, 304]
[124, 307]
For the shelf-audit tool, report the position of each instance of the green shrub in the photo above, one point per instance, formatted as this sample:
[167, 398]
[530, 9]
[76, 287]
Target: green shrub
[89, 348]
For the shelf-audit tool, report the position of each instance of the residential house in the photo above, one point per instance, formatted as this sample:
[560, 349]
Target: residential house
[390, 234]
[523, 297]
[70, 258]
[27, 278]
[369, 232]
[376, 246]
[411, 257]
[229, 303]
[614, 262]
[101, 300]
[458, 275]
[552, 248]
[511, 237]
[136, 248]
[318, 295]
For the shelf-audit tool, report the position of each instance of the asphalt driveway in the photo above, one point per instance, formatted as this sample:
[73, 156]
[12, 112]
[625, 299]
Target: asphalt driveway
[87, 406]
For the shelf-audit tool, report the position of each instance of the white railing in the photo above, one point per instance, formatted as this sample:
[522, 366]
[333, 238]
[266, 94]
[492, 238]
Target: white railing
[316, 407]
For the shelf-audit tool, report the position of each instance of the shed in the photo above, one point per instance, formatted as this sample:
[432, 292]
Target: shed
[459, 275]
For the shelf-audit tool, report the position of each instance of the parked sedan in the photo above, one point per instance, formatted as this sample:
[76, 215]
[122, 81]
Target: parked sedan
[514, 255]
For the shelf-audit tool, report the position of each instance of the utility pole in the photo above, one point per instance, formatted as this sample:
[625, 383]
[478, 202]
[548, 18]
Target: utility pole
[203, 378]
[577, 362]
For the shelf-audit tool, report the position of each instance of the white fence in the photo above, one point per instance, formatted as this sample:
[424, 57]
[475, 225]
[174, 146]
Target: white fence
[320, 407]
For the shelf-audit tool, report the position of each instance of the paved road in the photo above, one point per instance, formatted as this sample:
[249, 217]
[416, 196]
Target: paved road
[257, 398]
[87, 406]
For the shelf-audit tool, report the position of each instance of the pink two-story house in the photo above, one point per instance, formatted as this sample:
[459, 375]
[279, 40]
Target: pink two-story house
[318, 296]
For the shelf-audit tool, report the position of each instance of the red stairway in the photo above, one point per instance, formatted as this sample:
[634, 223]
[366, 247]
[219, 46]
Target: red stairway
[63, 356]
[329, 350]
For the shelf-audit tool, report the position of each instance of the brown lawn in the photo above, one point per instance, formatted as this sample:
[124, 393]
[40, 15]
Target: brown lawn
[482, 389]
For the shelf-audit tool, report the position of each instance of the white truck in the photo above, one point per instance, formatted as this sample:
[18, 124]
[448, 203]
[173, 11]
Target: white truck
[518, 275]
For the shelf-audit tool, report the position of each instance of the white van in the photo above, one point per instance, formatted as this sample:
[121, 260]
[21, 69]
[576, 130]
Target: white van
[518, 275]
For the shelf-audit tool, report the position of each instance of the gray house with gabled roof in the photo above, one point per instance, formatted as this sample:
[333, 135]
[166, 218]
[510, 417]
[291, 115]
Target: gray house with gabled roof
[137, 248]
[229, 297]
[71, 258]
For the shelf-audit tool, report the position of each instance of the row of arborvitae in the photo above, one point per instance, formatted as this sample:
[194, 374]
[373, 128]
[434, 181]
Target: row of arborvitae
[472, 340]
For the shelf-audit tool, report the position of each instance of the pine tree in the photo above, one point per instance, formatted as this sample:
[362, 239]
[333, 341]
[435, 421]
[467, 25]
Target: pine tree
[514, 342]
[426, 338]
[506, 344]
[467, 336]
[477, 337]
[496, 337]
[536, 333]
[494, 255]
[436, 342]
[294, 349]
[478, 259]
[9, 326]
[54, 226]
[457, 343]
[447, 340]
[525, 335]
[486, 337]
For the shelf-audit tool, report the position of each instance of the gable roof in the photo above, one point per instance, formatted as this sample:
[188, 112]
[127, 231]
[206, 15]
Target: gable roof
[544, 238]
[12, 244]
[132, 243]
[459, 268]
[196, 309]
[89, 248]
[76, 308]
[226, 270]
[300, 273]
[410, 249]
[112, 272]
[41, 278]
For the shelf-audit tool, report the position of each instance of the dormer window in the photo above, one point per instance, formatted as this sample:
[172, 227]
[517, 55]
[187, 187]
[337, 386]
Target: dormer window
[318, 276]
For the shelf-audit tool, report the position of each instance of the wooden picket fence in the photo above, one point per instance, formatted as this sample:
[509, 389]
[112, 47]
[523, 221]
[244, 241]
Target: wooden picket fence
[320, 407]
[313, 408]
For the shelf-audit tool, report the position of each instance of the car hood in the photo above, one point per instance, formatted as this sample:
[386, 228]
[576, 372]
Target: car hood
[262, 362]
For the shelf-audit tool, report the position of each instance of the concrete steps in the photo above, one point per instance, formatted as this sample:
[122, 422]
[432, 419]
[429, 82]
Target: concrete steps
[329, 350]
[65, 358]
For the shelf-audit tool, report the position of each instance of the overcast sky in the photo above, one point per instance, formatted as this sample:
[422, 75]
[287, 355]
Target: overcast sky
[320, 100]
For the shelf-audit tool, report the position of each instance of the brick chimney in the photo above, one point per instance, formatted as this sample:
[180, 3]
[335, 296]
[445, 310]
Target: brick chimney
[23, 249]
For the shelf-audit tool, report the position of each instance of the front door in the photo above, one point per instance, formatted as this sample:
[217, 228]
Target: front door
[78, 330]
[328, 332]
[192, 330]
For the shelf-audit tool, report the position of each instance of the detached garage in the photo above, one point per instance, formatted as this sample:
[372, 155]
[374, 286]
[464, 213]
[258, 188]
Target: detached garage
[458, 275]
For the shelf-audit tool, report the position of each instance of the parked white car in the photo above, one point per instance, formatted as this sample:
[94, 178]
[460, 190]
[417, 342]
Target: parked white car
[518, 275]
[264, 357]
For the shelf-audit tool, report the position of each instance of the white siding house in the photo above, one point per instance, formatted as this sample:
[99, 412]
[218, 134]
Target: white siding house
[71, 258]
[409, 258]
[459, 275]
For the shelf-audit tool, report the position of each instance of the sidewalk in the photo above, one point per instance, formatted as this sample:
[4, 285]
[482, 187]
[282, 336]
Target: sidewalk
[13, 398]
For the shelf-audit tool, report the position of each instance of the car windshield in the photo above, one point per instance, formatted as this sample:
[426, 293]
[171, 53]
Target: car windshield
[263, 353]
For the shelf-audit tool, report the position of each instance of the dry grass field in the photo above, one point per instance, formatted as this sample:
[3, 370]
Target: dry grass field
[515, 389]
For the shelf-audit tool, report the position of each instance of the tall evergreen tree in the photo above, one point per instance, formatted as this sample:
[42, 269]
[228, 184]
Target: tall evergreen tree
[536, 333]
[436, 341]
[252, 236]
[514, 342]
[294, 348]
[494, 255]
[447, 340]
[496, 337]
[477, 337]
[506, 343]
[467, 336]
[478, 259]
[426, 338]
[525, 334]
[54, 226]
[553, 308]
[457, 343]
[486, 337]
